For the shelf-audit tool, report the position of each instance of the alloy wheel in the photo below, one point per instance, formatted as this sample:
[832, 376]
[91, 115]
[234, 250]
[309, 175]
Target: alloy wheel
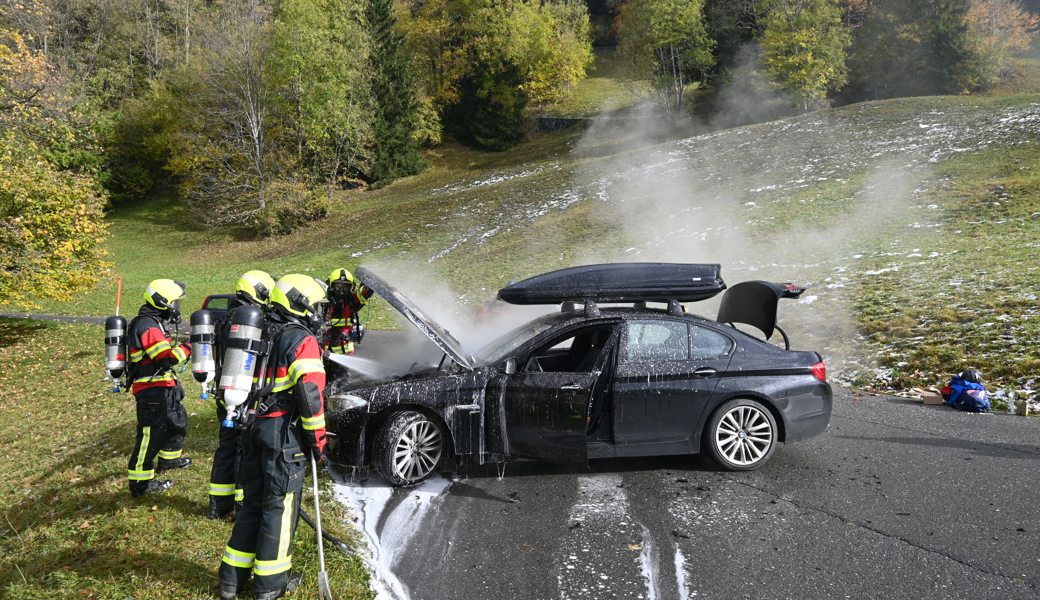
[417, 451]
[744, 435]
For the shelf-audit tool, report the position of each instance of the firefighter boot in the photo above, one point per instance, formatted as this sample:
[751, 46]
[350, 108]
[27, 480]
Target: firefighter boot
[152, 486]
[175, 463]
[228, 592]
[294, 581]
[221, 507]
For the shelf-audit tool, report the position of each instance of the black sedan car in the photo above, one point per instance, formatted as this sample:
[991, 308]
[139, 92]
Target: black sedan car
[592, 381]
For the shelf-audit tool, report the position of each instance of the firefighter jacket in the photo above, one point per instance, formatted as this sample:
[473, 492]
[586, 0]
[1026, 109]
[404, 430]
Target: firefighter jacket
[297, 378]
[341, 317]
[153, 354]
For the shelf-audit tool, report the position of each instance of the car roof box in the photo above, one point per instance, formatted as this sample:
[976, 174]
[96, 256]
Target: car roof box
[619, 282]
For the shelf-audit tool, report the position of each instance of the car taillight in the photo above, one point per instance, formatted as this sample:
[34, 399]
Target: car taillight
[819, 371]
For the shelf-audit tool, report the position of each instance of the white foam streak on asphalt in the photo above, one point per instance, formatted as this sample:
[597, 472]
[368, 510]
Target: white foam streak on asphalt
[648, 561]
[680, 574]
[369, 500]
[598, 558]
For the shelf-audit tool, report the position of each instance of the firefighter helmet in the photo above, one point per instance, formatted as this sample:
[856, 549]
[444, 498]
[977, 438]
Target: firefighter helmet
[340, 284]
[302, 297]
[255, 287]
[164, 293]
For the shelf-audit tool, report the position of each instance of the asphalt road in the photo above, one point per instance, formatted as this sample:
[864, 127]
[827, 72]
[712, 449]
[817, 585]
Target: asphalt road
[895, 500]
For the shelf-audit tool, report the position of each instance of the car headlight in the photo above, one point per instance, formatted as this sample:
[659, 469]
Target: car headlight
[349, 402]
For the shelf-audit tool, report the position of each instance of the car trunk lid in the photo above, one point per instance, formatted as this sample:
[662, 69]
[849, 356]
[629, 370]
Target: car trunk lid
[755, 302]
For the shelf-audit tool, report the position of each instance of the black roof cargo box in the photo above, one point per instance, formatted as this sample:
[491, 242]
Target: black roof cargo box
[619, 282]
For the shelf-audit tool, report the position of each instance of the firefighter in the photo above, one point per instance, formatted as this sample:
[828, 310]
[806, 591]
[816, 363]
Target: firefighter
[288, 429]
[346, 299]
[162, 421]
[253, 289]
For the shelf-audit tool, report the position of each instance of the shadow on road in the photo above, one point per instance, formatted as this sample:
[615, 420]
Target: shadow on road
[1016, 451]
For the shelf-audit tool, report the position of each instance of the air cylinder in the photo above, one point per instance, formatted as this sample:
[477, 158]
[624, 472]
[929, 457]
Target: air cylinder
[203, 367]
[241, 356]
[115, 346]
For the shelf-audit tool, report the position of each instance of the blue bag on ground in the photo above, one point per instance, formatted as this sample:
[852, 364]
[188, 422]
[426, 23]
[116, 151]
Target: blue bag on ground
[967, 395]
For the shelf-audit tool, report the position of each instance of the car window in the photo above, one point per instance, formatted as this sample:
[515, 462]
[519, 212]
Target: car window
[708, 343]
[217, 302]
[577, 352]
[656, 341]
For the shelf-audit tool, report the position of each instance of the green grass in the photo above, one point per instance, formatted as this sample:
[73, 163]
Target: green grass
[971, 298]
[71, 529]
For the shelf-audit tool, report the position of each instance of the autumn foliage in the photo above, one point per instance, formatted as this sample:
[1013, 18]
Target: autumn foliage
[50, 202]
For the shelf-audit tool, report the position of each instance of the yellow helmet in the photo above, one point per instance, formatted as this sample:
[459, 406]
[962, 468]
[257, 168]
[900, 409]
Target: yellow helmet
[164, 294]
[300, 296]
[341, 275]
[255, 286]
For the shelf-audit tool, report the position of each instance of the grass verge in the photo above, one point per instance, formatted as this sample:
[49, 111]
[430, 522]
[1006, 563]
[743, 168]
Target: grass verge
[71, 529]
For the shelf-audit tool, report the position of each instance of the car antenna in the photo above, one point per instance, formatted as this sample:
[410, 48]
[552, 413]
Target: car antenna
[674, 308]
[591, 310]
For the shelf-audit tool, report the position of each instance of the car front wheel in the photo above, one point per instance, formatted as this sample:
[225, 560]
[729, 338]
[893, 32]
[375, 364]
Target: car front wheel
[408, 448]
[741, 435]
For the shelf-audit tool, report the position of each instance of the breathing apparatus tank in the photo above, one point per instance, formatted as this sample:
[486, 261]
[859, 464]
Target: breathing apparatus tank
[203, 367]
[241, 358]
[115, 348]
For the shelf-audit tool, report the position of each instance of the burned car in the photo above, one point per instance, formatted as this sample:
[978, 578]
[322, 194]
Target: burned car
[638, 378]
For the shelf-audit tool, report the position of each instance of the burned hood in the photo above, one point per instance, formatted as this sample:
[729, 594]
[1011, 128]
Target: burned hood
[754, 303]
[437, 334]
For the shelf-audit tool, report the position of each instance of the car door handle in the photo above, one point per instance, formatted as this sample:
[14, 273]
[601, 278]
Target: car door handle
[468, 407]
[572, 387]
[705, 372]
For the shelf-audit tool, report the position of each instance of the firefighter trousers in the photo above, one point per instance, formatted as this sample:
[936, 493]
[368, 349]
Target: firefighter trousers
[222, 478]
[162, 424]
[271, 472]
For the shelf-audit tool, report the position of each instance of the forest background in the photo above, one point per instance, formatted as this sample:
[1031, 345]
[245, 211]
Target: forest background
[253, 113]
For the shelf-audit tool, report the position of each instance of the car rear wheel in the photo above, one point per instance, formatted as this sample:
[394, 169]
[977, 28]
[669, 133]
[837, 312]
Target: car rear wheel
[741, 435]
[408, 448]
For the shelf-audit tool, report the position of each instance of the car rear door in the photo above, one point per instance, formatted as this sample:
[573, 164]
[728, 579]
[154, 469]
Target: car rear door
[667, 373]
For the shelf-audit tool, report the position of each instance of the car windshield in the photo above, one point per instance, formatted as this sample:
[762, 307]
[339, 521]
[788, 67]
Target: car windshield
[504, 345]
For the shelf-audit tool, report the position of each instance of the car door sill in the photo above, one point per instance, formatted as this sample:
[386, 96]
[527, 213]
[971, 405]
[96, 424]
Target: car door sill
[609, 450]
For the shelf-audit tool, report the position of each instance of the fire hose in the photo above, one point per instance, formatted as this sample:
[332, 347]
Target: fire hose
[328, 537]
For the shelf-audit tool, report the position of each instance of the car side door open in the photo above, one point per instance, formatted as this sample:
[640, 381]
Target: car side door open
[543, 407]
[667, 373]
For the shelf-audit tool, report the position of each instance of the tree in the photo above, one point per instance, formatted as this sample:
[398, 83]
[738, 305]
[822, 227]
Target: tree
[1001, 29]
[481, 47]
[50, 204]
[666, 41]
[225, 156]
[321, 59]
[804, 47]
[913, 49]
[397, 112]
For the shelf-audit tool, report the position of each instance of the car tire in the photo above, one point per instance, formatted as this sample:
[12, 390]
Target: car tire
[741, 435]
[409, 448]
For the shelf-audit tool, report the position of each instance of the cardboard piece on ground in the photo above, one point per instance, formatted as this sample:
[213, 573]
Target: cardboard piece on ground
[929, 396]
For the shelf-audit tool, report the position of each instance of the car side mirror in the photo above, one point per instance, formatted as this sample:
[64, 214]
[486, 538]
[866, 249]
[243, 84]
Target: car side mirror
[510, 366]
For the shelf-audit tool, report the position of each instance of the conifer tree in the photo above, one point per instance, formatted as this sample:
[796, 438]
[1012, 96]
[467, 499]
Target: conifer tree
[396, 151]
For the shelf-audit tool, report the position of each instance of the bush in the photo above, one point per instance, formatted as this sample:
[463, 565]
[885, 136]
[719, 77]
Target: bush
[290, 205]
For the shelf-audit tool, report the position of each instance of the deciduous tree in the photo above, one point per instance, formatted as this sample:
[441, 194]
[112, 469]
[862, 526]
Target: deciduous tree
[50, 203]
[666, 41]
[804, 47]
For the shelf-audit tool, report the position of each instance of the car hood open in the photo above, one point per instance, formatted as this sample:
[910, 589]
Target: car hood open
[437, 334]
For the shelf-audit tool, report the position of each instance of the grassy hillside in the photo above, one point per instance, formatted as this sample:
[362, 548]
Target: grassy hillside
[71, 529]
[881, 208]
